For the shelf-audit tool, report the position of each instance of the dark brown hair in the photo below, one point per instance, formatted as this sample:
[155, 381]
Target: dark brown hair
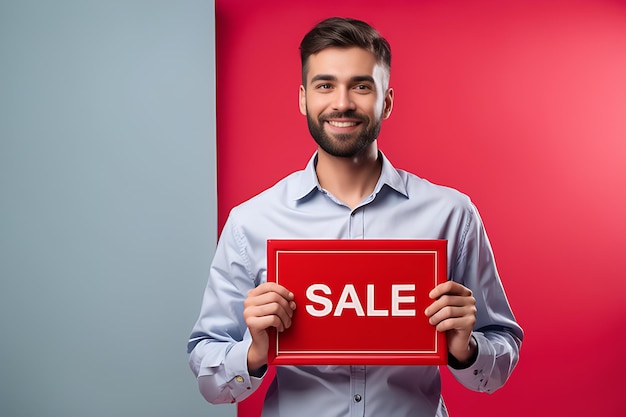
[344, 33]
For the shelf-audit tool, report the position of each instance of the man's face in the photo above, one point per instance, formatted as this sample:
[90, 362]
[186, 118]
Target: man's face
[345, 99]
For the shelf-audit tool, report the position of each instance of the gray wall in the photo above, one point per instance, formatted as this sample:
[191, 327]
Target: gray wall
[107, 204]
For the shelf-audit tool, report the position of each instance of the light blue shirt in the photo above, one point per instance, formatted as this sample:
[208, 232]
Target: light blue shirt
[402, 206]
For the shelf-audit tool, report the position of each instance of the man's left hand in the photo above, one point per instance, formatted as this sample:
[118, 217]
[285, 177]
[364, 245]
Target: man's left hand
[454, 312]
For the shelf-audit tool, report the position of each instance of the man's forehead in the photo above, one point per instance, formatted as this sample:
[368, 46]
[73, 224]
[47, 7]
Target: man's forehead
[343, 62]
[344, 55]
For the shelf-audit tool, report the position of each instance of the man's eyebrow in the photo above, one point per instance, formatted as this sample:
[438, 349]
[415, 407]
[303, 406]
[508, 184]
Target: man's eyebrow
[323, 77]
[356, 78]
[361, 78]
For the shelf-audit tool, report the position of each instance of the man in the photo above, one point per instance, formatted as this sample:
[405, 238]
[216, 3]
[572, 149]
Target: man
[349, 190]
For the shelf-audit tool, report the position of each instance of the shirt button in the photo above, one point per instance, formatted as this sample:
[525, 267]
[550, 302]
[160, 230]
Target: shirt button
[239, 378]
[357, 398]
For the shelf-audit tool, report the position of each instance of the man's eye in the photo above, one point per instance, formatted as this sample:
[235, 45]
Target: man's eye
[362, 87]
[325, 86]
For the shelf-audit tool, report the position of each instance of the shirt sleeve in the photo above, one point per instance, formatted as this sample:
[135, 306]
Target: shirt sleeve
[218, 346]
[498, 352]
[497, 333]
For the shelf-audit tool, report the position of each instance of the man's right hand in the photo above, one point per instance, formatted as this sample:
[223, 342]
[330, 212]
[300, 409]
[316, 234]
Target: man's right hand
[268, 305]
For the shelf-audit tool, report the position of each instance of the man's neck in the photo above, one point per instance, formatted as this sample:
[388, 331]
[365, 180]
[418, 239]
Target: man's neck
[349, 179]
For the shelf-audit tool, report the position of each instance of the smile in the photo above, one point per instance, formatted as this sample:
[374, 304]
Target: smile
[342, 124]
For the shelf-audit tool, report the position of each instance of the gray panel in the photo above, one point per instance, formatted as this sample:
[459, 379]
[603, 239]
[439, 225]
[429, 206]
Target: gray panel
[107, 205]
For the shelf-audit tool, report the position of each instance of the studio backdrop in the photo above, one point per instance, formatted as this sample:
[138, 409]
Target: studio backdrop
[522, 106]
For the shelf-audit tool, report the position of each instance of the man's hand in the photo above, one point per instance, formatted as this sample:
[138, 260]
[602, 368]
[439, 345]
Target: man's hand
[268, 305]
[454, 312]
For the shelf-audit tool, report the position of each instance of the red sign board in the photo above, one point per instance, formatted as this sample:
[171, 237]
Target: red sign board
[358, 301]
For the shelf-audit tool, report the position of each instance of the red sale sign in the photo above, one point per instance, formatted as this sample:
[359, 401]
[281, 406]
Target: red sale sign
[358, 301]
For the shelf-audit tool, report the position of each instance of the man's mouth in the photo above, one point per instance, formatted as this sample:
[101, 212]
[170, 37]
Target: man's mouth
[341, 124]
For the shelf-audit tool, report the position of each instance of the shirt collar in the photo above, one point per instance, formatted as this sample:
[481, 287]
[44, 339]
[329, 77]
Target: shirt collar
[308, 180]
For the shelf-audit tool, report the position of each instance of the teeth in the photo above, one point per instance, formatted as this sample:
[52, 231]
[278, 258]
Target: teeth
[342, 124]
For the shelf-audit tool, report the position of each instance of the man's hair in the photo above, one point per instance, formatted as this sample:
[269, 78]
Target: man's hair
[344, 33]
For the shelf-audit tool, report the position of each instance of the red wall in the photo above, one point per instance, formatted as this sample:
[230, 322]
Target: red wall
[521, 105]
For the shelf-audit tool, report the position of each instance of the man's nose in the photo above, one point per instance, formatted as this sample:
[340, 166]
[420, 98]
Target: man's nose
[343, 100]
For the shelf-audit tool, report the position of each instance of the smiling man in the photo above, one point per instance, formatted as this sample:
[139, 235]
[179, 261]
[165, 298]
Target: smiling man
[345, 92]
[350, 190]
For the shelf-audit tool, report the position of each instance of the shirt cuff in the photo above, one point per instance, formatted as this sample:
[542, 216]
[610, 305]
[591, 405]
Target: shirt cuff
[476, 376]
[455, 364]
[232, 378]
[237, 375]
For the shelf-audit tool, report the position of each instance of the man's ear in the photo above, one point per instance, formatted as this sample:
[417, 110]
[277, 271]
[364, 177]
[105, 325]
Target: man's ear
[302, 100]
[388, 104]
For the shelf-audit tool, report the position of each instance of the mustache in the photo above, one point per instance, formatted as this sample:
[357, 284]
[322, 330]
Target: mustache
[351, 114]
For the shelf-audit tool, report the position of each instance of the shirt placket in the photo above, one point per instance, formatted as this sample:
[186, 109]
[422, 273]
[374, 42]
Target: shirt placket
[357, 372]
[357, 227]
[357, 390]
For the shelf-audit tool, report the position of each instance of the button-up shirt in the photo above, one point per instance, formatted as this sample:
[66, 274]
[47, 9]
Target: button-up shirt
[402, 206]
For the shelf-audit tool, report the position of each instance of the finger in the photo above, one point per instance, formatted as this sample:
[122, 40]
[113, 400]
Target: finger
[271, 287]
[452, 314]
[449, 301]
[275, 310]
[269, 298]
[449, 287]
[260, 324]
[464, 324]
[272, 306]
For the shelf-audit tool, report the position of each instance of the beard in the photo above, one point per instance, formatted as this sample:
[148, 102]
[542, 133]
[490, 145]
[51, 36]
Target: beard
[344, 145]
